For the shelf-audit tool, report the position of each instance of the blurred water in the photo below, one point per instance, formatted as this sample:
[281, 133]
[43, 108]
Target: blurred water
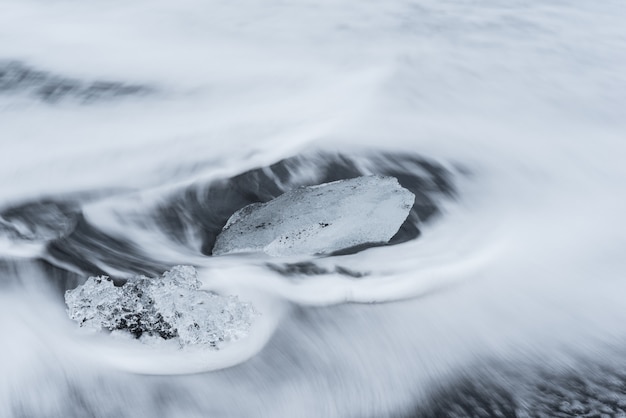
[503, 294]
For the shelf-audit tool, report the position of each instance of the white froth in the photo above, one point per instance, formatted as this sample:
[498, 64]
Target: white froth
[528, 262]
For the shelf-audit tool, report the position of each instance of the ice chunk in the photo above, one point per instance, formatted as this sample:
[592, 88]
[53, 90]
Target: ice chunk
[172, 306]
[319, 219]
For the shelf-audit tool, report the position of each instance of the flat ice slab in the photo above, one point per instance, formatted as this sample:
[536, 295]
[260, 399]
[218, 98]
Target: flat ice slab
[320, 219]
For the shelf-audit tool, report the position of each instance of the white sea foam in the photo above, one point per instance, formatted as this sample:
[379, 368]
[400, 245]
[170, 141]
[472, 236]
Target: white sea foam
[527, 263]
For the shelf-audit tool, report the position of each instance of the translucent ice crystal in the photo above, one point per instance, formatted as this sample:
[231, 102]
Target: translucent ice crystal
[172, 306]
[320, 219]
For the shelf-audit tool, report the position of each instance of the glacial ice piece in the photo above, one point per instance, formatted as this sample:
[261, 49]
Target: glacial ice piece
[320, 219]
[171, 306]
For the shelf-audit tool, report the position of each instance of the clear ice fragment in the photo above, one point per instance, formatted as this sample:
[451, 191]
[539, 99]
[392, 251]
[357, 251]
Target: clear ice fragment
[172, 306]
[321, 219]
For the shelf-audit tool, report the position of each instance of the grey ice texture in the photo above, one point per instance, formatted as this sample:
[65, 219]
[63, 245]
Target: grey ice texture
[172, 306]
[321, 219]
